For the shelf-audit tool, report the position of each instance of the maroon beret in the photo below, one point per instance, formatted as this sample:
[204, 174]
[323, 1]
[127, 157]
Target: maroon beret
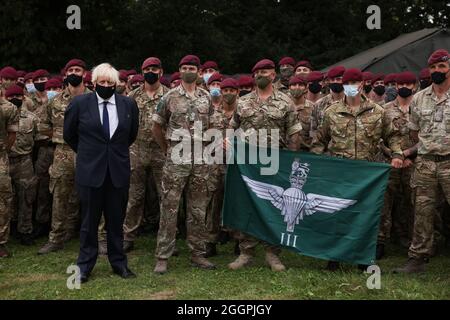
[131, 72]
[175, 76]
[137, 78]
[440, 55]
[210, 64]
[263, 64]
[390, 78]
[14, 90]
[406, 77]
[165, 81]
[229, 83]
[336, 72]
[314, 76]
[303, 63]
[53, 83]
[75, 63]
[9, 73]
[41, 73]
[367, 76]
[352, 75]
[123, 76]
[286, 60]
[152, 61]
[28, 76]
[190, 59]
[424, 74]
[297, 80]
[246, 81]
[377, 77]
[88, 77]
[215, 77]
[21, 74]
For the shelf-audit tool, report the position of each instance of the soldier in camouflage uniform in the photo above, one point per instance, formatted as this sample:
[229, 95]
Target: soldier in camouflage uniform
[147, 158]
[179, 111]
[269, 109]
[286, 65]
[337, 93]
[352, 128]
[9, 125]
[429, 125]
[303, 107]
[65, 214]
[397, 113]
[8, 77]
[216, 183]
[315, 85]
[21, 166]
[44, 150]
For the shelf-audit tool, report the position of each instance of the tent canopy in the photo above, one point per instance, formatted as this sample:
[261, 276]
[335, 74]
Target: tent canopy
[407, 52]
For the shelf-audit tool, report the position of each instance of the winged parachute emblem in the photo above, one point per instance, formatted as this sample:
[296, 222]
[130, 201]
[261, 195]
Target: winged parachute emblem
[293, 202]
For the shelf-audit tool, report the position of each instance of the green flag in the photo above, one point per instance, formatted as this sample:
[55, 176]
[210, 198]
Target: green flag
[319, 206]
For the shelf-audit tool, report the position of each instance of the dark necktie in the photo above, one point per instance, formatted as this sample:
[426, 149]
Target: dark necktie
[105, 119]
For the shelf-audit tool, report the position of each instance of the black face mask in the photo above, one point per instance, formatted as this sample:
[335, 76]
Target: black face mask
[315, 87]
[424, 84]
[105, 92]
[367, 88]
[66, 82]
[404, 92]
[40, 86]
[336, 87]
[438, 77]
[74, 80]
[151, 77]
[16, 102]
[243, 92]
[379, 90]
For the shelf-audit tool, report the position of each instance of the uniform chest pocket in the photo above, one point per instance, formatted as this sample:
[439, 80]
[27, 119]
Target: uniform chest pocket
[275, 114]
[447, 120]
[371, 125]
[26, 127]
[178, 116]
[247, 112]
[426, 120]
[341, 127]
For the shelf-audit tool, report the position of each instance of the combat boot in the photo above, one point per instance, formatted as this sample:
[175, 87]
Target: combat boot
[202, 263]
[333, 266]
[26, 240]
[50, 247]
[128, 246]
[175, 252]
[244, 260]
[4, 253]
[274, 262]
[102, 248]
[211, 250]
[161, 266]
[69, 236]
[412, 266]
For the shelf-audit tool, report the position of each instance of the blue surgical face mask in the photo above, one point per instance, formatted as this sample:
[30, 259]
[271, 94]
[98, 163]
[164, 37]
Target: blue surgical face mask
[206, 77]
[51, 94]
[351, 90]
[30, 87]
[215, 92]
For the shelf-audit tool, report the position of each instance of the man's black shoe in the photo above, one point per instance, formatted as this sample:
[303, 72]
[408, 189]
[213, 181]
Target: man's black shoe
[84, 277]
[124, 273]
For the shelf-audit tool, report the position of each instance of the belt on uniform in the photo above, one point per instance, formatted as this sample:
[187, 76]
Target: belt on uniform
[436, 158]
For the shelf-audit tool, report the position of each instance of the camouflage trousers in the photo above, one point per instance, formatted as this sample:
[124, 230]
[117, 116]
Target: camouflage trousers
[398, 209]
[248, 244]
[44, 197]
[193, 178]
[6, 198]
[24, 184]
[214, 211]
[429, 179]
[65, 215]
[146, 172]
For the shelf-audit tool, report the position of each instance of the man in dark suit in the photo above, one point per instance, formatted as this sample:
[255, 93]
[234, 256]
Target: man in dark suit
[100, 127]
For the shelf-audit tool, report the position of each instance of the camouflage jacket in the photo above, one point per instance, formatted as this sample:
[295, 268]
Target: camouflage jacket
[9, 122]
[26, 135]
[179, 113]
[319, 110]
[355, 134]
[277, 112]
[147, 107]
[54, 119]
[40, 110]
[395, 115]
[304, 113]
[280, 87]
[431, 117]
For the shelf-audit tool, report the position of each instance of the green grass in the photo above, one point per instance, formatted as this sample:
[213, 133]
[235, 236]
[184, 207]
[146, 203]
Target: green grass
[29, 276]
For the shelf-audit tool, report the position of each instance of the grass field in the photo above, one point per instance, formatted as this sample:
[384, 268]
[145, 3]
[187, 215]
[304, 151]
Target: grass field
[29, 276]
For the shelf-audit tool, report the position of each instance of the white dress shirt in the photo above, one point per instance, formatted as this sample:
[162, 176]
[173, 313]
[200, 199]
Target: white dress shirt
[112, 113]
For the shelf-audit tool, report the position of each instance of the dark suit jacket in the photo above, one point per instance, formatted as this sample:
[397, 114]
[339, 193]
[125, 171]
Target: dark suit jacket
[96, 153]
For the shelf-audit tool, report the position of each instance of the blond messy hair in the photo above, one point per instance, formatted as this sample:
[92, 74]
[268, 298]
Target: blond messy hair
[105, 70]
